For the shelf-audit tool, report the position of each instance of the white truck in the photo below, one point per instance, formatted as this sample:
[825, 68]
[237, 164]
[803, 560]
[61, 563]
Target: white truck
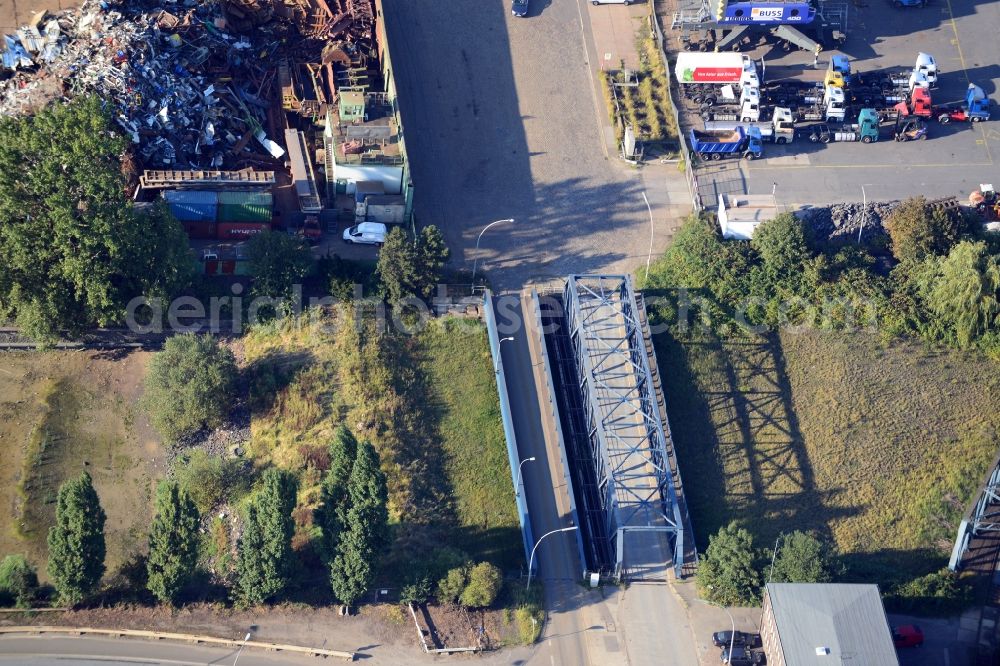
[779, 129]
[702, 76]
[744, 109]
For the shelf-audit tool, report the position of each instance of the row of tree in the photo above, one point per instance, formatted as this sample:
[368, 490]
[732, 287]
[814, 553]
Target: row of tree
[353, 518]
[733, 570]
[943, 286]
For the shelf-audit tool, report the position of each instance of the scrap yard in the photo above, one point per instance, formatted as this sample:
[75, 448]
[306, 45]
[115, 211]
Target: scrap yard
[243, 115]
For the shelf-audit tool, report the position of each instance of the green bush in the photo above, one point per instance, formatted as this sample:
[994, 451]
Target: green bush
[450, 588]
[802, 558]
[189, 386]
[209, 479]
[936, 593]
[483, 586]
[18, 581]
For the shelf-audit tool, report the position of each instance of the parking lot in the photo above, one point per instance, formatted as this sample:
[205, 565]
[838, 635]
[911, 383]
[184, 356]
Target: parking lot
[954, 160]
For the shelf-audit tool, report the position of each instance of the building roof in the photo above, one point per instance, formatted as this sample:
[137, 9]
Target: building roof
[847, 620]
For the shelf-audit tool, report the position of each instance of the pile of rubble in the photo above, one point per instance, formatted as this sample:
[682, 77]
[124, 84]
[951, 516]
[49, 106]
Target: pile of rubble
[843, 222]
[186, 86]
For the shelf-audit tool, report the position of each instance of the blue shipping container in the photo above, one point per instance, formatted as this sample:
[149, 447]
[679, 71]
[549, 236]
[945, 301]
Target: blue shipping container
[192, 205]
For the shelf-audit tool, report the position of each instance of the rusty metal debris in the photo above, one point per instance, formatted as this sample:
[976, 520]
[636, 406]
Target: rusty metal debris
[195, 86]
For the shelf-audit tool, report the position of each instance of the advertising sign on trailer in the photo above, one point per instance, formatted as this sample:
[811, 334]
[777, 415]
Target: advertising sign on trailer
[718, 68]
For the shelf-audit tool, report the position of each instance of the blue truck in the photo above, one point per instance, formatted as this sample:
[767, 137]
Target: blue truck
[717, 144]
[975, 108]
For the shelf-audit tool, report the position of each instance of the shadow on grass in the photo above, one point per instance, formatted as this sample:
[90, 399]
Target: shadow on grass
[738, 441]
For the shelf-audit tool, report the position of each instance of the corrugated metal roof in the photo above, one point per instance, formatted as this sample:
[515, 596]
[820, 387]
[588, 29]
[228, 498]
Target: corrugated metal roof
[848, 620]
[244, 197]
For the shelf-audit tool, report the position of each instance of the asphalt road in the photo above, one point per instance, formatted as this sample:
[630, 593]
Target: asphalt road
[559, 566]
[80, 651]
[955, 159]
[501, 122]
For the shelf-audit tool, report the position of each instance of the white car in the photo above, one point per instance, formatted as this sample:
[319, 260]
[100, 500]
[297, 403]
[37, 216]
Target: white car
[612, 2]
[366, 233]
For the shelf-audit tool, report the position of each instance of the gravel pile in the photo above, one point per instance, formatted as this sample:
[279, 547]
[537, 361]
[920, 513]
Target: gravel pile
[842, 222]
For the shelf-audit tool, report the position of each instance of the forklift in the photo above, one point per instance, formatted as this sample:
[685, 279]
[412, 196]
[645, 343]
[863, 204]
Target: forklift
[910, 128]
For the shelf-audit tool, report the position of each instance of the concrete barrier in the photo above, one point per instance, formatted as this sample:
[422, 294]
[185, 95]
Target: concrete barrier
[508, 424]
[184, 638]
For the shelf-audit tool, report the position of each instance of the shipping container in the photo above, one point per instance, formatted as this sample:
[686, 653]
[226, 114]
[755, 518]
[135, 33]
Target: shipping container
[245, 206]
[192, 205]
[238, 230]
[199, 228]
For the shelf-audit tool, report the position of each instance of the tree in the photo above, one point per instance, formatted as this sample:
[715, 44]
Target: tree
[334, 491]
[727, 574]
[917, 230]
[76, 541]
[173, 542]
[397, 266]
[410, 270]
[277, 262]
[433, 254]
[189, 385]
[265, 549]
[366, 528]
[483, 586]
[74, 249]
[18, 581]
[784, 253]
[963, 294]
[802, 558]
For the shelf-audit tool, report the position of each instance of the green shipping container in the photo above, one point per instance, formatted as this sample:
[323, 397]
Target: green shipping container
[245, 206]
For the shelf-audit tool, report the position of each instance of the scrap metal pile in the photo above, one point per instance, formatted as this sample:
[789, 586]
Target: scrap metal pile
[190, 82]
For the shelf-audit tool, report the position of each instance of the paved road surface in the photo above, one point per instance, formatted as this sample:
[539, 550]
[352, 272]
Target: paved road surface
[77, 651]
[501, 122]
[558, 563]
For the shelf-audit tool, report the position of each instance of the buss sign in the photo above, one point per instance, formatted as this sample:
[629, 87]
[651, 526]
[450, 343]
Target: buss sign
[766, 13]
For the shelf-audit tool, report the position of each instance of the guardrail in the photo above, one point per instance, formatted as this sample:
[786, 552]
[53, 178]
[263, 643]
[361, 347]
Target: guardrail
[184, 638]
[523, 517]
[689, 174]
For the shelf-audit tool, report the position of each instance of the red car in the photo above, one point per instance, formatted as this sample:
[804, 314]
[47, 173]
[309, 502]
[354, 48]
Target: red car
[908, 635]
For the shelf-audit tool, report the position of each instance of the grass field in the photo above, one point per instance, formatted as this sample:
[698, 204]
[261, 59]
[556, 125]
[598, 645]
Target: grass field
[427, 402]
[62, 413]
[880, 448]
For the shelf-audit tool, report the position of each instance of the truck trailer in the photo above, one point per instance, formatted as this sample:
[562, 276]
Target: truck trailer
[779, 129]
[719, 144]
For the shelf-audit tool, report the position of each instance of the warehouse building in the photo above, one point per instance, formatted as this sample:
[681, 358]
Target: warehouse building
[823, 624]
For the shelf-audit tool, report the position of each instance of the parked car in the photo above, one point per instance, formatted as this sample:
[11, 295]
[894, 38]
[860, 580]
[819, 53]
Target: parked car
[742, 656]
[908, 635]
[367, 233]
[519, 7]
[722, 639]
[612, 2]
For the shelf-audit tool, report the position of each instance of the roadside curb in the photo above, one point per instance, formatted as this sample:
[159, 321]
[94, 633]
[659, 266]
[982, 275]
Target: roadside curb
[185, 638]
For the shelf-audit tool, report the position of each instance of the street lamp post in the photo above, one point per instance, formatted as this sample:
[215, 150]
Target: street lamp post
[476, 260]
[732, 634]
[240, 651]
[496, 366]
[864, 212]
[531, 560]
[517, 486]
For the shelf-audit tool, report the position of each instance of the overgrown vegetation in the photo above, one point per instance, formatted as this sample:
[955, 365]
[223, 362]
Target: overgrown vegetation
[278, 262]
[643, 99]
[73, 248]
[800, 400]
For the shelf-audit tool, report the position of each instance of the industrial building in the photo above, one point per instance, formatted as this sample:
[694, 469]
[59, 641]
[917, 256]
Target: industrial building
[825, 623]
